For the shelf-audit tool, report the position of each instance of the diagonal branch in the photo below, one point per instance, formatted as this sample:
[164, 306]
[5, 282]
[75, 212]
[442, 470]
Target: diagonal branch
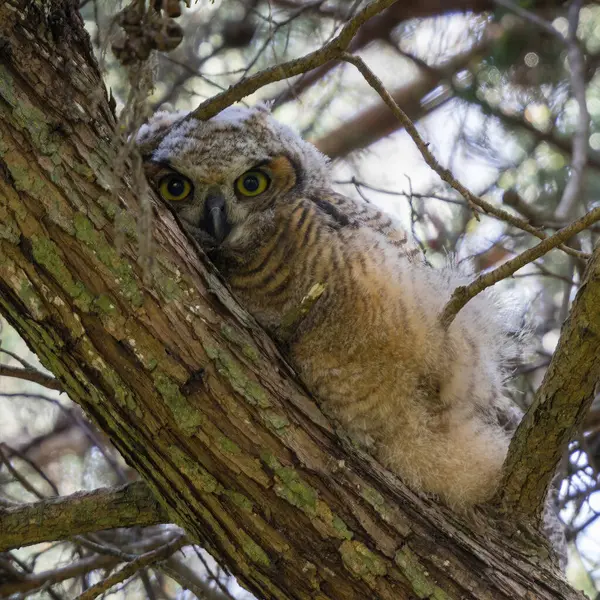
[474, 201]
[332, 50]
[463, 294]
[83, 512]
[375, 123]
[131, 568]
[31, 374]
[573, 189]
[560, 404]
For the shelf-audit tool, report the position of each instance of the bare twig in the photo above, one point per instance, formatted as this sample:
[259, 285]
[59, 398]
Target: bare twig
[216, 577]
[463, 294]
[574, 185]
[52, 576]
[33, 375]
[189, 579]
[473, 201]
[134, 566]
[20, 360]
[530, 16]
[14, 452]
[332, 50]
[572, 191]
[18, 477]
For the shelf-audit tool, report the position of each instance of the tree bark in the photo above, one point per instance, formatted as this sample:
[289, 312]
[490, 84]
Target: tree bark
[83, 512]
[190, 390]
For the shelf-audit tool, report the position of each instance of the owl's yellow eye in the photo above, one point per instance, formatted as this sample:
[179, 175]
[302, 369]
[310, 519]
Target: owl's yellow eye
[174, 188]
[252, 183]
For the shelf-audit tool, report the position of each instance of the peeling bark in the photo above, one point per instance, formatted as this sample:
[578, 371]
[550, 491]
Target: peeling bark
[189, 389]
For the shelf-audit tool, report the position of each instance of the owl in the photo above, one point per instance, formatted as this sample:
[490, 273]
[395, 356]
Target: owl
[429, 403]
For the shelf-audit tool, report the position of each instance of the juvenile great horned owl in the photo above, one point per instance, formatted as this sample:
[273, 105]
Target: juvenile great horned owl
[258, 199]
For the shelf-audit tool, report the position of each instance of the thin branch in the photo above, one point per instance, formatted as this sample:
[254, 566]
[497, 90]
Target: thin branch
[134, 566]
[473, 201]
[429, 90]
[463, 294]
[52, 576]
[332, 50]
[18, 477]
[574, 186]
[189, 579]
[16, 357]
[216, 577]
[14, 452]
[572, 191]
[32, 375]
[531, 17]
[83, 512]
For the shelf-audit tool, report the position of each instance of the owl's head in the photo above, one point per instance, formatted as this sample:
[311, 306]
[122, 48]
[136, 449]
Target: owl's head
[226, 176]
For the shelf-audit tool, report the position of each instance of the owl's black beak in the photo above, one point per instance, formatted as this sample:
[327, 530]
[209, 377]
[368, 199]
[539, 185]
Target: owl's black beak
[215, 217]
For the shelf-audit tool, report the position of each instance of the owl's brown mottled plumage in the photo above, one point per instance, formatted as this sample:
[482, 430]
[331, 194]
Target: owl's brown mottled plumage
[428, 403]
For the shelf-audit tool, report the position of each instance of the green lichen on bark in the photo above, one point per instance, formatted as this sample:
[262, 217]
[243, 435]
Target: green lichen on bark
[254, 552]
[47, 254]
[333, 525]
[201, 478]
[109, 257]
[240, 500]
[418, 576]
[8, 226]
[233, 371]
[228, 445]
[26, 116]
[360, 561]
[187, 416]
[236, 338]
[276, 420]
[290, 486]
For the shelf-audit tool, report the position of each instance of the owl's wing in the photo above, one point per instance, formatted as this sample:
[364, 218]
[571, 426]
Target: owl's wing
[350, 212]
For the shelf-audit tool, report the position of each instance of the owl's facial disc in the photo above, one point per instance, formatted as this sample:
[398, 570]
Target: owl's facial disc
[215, 216]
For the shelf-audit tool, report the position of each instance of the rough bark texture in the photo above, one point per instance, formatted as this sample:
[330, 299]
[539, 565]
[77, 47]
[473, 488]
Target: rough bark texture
[83, 512]
[189, 389]
[561, 403]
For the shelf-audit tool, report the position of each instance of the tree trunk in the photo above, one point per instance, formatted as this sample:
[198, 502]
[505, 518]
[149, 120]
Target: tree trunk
[190, 390]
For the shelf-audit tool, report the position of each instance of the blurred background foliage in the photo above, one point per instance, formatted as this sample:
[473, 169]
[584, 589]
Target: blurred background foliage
[488, 90]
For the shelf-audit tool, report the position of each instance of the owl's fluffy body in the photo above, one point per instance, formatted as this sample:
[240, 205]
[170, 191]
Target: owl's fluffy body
[427, 402]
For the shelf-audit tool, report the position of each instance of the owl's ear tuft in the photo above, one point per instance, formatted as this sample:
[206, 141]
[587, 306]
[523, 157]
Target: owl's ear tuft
[151, 133]
[265, 106]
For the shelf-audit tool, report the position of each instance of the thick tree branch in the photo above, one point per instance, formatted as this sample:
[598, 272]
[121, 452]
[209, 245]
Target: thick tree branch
[63, 517]
[374, 123]
[571, 197]
[560, 405]
[33, 581]
[380, 28]
[517, 122]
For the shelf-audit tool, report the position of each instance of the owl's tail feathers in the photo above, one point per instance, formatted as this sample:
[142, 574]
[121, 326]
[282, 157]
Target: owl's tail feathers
[461, 464]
